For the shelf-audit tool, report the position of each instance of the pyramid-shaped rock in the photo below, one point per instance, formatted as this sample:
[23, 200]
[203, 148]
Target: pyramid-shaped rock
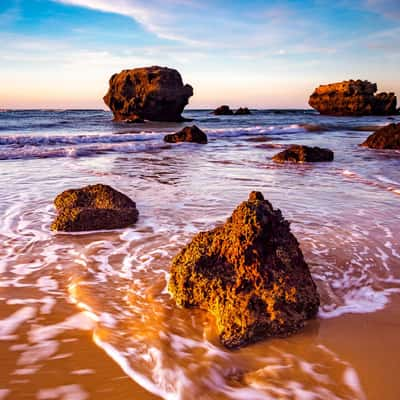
[249, 273]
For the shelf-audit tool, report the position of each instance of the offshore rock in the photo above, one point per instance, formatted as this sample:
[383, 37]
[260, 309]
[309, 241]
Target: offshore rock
[387, 137]
[223, 110]
[242, 111]
[187, 134]
[298, 153]
[352, 98]
[94, 207]
[152, 93]
[249, 273]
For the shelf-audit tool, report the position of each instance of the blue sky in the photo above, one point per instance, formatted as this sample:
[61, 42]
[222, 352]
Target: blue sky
[61, 53]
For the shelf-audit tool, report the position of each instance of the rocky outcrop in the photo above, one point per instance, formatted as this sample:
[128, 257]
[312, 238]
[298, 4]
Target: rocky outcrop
[352, 98]
[152, 93]
[249, 273]
[299, 153]
[187, 134]
[94, 207]
[242, 111]
[223, 110]
[387, 137]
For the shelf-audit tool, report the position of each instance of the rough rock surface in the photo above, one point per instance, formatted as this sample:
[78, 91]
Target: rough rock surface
[299, 153]
[135, 120]
[93, 207]
[152, 93]
[352, 98]
[187, 134]
[242, 111]
[223, 110]
[387, 137]
[249, 273]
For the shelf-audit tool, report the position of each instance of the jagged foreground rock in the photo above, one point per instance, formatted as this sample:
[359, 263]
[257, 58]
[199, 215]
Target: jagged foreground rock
[249, 273]
[188, 134]
[387, 137]
[352, 98]
[152, 93]
[299, 153]
[94, 207]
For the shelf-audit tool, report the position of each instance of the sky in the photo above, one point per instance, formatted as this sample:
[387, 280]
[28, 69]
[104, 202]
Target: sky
[263, 54]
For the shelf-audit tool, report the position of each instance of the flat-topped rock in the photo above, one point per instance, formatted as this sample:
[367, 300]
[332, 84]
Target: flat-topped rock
[249, 273]
[299, 154]
[387, 137]
[152, 93]
[352, 98]
[93, 207]
[188, 134]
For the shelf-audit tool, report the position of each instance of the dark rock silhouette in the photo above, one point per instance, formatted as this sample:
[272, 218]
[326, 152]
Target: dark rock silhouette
[135, 120]
[352, 98]
[94, 207]
[187, 134]
[152, 93]
[387, 137]
[249, 273]
[242, 111]
[299, 153]
[223, 110]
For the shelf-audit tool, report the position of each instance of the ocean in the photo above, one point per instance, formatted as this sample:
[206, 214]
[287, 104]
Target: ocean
[88, 316]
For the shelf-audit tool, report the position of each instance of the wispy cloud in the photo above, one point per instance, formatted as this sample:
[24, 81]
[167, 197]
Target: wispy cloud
[160, 17]
[388, 8]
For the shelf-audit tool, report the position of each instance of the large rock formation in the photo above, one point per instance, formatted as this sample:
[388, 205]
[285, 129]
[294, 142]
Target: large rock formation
[352, 98]
[387, 137]
[299, 153]
[187, 134]
[153, 93]
[94, 207]
[249, 273]
[223, 110]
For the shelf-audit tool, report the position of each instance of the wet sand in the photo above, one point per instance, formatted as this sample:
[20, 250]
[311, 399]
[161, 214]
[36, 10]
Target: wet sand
[88, 316]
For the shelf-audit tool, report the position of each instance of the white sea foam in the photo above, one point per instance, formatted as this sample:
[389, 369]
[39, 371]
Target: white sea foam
[67, 392]
[9, 325]
[80, 321]
[74, 145]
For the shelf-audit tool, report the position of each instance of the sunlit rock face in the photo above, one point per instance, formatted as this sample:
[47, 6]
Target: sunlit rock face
[352, 98]
[93, 207]
[249, 273]
[299, 154]
[151, 93]
[387, 137]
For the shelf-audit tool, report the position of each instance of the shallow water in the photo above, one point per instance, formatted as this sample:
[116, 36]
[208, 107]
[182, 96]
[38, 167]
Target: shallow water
[88, 315]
